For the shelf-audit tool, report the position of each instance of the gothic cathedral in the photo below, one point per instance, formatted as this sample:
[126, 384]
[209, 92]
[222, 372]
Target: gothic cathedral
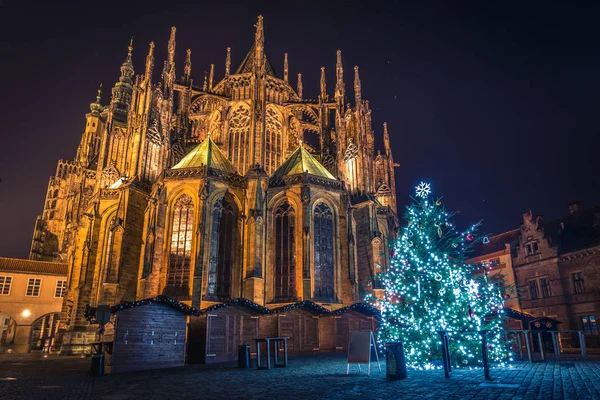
[210, 192]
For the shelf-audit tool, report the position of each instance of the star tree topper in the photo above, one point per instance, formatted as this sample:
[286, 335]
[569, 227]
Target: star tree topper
[423, 189]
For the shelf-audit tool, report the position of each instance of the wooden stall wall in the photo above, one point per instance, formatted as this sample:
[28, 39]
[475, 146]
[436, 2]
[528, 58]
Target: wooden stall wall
[301, 326]
[335, 329]
[215, 335]
[151, 336]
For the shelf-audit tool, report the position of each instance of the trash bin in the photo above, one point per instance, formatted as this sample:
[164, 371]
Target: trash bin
[97, 365]
[395, 361]
[244, 356]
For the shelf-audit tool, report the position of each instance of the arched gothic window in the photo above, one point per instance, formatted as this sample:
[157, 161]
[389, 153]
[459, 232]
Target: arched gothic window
[109, 259]
[180, 252]
[323, 245]
[285, 253]
[273, 144]
[239, 130]
[222, 249]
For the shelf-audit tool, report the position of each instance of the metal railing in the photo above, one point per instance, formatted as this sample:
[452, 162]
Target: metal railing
[528, 336]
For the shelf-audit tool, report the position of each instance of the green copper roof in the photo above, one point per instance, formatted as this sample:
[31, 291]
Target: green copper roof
[206, 153]
[300, 161]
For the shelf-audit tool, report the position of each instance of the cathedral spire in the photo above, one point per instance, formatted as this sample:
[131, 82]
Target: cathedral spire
[228, 62]
[285, 67]
[211, 77]
[187, 67]
[339, 79]
[171, 48]
[149, 63]
[386, 140]
[259, 46]
[357, 89]
[300, 86]
[323, 85]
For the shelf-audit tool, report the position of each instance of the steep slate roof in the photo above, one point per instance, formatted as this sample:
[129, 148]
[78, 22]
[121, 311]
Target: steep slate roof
[299, 162]
[575, 231]
[206, 153]
[22, 266]
[246, 65]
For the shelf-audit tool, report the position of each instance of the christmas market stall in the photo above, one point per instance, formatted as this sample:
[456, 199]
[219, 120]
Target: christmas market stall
[215, 334]
[335, 327]
[149, 334]
[300, 323]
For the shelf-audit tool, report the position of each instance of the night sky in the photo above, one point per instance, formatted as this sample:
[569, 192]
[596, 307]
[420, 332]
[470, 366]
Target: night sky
[496, 106]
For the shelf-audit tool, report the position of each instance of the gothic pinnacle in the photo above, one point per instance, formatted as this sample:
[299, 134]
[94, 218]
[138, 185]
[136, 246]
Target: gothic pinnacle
[149, 63]
[96, 107]
[323, 85]
[339, 79]
[228, 62]
[357, 88]
[300, 86]
[187, 67]
[285, 67]
[171, 46]
[211, 77]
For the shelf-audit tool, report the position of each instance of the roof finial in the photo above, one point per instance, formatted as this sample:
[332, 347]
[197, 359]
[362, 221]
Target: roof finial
[357, 89]
[187, 66]
[285, 67]
[339, 79]
[300, 86]
[96, 107]
[205, 84]
[171, 46]
[99, 93]
[211, 77]
[323, 85]
[228, 62]
[259, 43]
[149, 63]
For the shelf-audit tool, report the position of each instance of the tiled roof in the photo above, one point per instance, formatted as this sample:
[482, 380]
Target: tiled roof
[299, 162]
[496, 243]
[22, 266]
[206, 153]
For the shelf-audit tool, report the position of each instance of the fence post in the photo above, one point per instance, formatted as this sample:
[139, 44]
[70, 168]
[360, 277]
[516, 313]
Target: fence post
[541, 343]
[445, 359]
[528, 345]
[484, 353]
[555, 345]
[582, 345]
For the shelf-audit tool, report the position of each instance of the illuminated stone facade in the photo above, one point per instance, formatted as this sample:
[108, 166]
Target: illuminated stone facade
[211, 192]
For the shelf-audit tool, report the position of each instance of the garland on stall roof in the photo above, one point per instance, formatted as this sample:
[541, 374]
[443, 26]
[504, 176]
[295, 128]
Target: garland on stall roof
[157, 300]
[303, 304]
[239, 302]
[362, 308]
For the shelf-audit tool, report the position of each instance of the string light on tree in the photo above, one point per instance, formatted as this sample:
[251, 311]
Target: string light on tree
[429, 287]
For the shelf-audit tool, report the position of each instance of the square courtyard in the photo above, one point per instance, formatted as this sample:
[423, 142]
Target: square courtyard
[306, 377]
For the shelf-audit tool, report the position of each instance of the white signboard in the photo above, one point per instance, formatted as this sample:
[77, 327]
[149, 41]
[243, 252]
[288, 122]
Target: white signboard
[362, 343]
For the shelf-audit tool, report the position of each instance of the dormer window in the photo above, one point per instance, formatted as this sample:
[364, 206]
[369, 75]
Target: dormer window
[532, 248]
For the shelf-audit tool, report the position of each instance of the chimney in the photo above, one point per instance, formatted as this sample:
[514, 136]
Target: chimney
[574, 207]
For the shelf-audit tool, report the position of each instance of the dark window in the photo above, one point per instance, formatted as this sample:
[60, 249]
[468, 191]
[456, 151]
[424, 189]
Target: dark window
[285, 253]
[222, 250]
[533, 290]
[33, 287]
[323, 245]
[578, 282]
[589, 326]
[532, 248]
[545, 286]
[5, 282]
[61, 288]
[180, 254]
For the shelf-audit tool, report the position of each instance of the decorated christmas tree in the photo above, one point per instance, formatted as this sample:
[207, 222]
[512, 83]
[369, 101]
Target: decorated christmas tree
[429, 287]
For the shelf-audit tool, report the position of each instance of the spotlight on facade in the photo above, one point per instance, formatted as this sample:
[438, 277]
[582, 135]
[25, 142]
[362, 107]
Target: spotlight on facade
[26, 313]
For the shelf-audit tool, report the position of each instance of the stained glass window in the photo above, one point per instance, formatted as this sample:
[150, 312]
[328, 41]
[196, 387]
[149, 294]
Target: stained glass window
[323, 248]
[180, 255]
[285, 253]
[222, 250]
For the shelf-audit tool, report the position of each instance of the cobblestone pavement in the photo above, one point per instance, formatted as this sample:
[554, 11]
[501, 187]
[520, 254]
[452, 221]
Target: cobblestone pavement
[309, 377]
